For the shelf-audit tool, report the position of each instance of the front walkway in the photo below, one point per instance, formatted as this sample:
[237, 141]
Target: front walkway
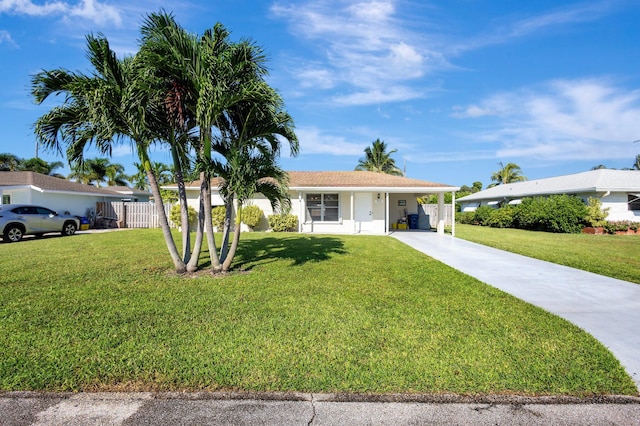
[607, 308]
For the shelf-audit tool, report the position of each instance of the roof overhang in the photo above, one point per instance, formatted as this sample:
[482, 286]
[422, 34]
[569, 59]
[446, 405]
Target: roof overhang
[390, 190]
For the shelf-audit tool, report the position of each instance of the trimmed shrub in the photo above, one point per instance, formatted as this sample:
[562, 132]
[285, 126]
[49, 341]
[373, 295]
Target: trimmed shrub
[557, 213]
[482, 214]
[502, 217]
[217, 216]
[465, 218]
[176, 217]
[251, 216]
[283, 222]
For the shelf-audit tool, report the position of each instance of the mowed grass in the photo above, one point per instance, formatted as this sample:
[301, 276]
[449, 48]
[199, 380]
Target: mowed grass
[616, 256]
[301, 313]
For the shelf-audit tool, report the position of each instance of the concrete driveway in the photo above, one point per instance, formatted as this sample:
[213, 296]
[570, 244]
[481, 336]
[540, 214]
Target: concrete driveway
[607, 308]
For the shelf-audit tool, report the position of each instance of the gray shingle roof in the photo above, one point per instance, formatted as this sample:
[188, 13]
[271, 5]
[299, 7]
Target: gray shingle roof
[592, 181]
[51, 183]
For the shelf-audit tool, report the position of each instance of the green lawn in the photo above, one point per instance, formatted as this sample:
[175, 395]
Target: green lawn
[616, 256]
[304, 313]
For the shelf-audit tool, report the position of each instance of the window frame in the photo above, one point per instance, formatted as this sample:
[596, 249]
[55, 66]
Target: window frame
[311, 204]
[633, 202]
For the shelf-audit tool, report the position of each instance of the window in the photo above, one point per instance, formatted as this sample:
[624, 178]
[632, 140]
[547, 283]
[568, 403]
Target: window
[634, 201]
[323, 207]
[6, 199]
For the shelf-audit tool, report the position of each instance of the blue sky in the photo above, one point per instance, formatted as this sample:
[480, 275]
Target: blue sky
[454, 86]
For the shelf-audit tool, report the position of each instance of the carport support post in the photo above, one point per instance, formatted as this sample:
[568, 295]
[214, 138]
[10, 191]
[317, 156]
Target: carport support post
[440, 225]
[453, 213]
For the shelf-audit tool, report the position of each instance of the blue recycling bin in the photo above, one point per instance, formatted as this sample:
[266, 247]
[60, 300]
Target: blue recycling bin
[413, 221]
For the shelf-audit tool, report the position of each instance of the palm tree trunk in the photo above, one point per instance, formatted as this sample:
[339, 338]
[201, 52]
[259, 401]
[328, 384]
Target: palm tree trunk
[192, 266]
[224, 248]
[236, 239]
[208, 223]
[184, 208]
[178, 263]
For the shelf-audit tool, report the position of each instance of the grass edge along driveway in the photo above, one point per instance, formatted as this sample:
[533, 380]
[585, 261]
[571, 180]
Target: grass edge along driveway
[303, 313]
[615, 256]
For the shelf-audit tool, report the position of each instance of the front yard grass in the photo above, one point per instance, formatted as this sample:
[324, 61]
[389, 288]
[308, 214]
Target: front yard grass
[616, 256]
[103, 312]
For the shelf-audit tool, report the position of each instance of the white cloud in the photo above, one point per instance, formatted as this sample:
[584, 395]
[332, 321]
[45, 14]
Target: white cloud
[91, 10]
[97, 12]
[312, 141]
[543, 23]
[564, 119]
[365, 45]
[377, 96]
[5, 38]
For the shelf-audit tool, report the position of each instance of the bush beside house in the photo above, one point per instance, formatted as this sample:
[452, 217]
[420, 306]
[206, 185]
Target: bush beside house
[556, 213]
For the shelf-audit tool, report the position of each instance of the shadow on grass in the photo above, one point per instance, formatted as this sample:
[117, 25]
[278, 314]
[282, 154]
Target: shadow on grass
[298, 249]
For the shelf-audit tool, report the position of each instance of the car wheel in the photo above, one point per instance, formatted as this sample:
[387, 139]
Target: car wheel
[13, 234]
[69, 229]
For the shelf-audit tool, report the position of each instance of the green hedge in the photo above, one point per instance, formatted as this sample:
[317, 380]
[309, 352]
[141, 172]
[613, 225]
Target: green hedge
[556, 213]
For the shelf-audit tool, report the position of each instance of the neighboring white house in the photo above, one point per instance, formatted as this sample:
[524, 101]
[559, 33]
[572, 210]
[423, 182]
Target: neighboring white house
[60, 194]
[344, 202]
[619, 190]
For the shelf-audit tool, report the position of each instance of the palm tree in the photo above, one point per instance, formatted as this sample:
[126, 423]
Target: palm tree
[101, 109]
[41, 166]
[9, 162]
[250, 141]
[508, 173]
[209, 74]
[377, 159]
[636, 163]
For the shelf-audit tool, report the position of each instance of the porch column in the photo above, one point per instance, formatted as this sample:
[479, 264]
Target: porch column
[386, 213]
[301, 214]
[440, 225]
[353, 217]
[453, 213]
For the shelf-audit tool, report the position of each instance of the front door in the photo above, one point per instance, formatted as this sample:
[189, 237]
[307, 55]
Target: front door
[364, 212]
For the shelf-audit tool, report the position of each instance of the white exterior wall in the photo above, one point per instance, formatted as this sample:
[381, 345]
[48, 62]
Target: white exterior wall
[619, 207]
[75, 204]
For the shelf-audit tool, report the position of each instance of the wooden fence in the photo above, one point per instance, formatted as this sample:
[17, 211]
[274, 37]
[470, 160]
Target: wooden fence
[432, 211]
[129, 215]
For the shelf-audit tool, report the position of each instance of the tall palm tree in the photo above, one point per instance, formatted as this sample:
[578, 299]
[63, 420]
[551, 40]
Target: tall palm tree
[101, 109]
[209, 74]
[508, 173]
[636, 163]
[377, 159]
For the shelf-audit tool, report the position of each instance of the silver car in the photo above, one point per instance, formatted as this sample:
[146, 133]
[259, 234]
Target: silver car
[17, 220]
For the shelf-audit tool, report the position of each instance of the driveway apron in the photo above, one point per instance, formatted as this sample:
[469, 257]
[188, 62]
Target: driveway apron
[607, 308]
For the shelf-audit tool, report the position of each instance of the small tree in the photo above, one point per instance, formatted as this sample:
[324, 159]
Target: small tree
[596, 215]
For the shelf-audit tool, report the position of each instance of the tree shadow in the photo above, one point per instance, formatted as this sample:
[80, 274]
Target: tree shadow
[299, 249]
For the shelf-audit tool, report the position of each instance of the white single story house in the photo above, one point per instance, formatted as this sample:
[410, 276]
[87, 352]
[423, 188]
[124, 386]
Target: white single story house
[618, 190]
[344, 202]
[61, 195]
